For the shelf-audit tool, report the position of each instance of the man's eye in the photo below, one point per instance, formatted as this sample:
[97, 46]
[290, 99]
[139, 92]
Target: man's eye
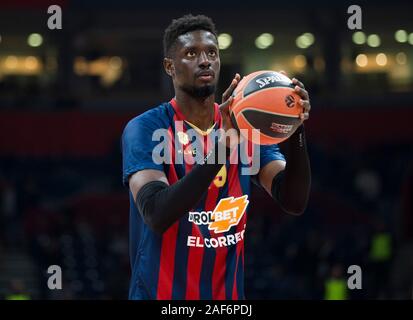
[212, 53]
[190, 54]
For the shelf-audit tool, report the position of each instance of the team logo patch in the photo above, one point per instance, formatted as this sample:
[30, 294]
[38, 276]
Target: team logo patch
[227, 213]
[183, 137]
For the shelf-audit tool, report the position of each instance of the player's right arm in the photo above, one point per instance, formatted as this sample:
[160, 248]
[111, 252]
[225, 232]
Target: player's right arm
[159, 203]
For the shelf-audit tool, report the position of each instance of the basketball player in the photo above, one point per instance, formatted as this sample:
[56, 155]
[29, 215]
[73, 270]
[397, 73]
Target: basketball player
[187, 221]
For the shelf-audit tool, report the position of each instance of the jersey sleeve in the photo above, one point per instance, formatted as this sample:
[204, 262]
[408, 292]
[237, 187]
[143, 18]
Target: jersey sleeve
[137, 147]
[268, 153]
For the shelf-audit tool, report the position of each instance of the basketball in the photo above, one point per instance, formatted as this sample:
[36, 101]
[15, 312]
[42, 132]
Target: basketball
[266, 100]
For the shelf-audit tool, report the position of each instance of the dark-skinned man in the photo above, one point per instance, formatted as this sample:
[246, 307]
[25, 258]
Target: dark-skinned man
[187, 220]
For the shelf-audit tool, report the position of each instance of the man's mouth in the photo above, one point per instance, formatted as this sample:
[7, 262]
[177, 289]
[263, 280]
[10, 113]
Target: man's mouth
[205, 75]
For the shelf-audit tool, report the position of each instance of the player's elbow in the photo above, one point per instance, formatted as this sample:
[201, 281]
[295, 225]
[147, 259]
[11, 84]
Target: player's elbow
[156, 225]
[295, 211]
[294, 208]
[295, 203]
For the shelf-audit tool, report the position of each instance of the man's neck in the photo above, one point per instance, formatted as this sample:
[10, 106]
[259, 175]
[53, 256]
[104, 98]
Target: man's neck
[198, 111]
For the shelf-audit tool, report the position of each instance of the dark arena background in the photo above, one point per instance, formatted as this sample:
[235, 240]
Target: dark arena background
[66, 95]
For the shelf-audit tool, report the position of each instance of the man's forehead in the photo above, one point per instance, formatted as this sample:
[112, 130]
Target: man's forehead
[192, 37]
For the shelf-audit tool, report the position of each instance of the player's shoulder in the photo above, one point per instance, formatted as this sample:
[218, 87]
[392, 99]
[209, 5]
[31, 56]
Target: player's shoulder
[152, 119]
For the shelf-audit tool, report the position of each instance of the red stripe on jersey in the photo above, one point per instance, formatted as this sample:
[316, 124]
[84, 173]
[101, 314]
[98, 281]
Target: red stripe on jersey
[166, 268]
[195, 254]
[235, 190]
[172, 176]
[167, 260]
[178, 114]
[220, 263]
[218, 277]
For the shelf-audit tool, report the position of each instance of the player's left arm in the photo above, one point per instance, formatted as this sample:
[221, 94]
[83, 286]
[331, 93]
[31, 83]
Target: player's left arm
[289, 182]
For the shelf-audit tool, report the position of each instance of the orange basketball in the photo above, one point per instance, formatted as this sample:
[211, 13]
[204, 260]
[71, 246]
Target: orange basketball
[266, 100]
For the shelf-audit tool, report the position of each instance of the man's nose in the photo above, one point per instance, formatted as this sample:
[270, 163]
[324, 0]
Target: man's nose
[204, 61]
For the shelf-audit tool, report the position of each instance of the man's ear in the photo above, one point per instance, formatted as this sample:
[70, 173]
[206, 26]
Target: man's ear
[169, 66]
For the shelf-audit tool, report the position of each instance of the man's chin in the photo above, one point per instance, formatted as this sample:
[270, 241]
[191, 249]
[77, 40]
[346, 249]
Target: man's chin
[206, 91]
[201, 92]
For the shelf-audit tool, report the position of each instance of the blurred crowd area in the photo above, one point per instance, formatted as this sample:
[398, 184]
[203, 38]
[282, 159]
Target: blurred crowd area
[62, 212]
[109, 55]
[65, 96]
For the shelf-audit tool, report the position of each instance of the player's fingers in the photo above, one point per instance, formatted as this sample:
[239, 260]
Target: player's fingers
[306, 105]
[229, 91]
[304, 116]
[231, 87]
[224, 107]
[298, 83]
[302, 93]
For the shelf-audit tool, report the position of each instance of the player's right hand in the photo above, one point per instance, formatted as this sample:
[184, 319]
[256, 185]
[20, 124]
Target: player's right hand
[227, 98]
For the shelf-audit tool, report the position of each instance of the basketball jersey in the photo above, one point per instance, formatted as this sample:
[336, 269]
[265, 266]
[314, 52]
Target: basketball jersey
[200, 256]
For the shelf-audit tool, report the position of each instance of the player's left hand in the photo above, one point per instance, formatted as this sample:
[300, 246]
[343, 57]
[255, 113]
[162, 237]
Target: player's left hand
[305, 99]
[227, 99]
[232, 135]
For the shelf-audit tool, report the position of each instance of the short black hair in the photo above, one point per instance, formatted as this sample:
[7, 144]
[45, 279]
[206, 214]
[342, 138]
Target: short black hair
[184, 24]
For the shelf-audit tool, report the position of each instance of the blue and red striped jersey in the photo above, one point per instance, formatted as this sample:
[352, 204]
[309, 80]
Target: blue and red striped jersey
[201, 256]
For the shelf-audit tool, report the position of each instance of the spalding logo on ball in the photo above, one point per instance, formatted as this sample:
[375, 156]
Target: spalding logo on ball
[266, 100]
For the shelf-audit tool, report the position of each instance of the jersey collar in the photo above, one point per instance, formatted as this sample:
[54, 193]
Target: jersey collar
[180, 116]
